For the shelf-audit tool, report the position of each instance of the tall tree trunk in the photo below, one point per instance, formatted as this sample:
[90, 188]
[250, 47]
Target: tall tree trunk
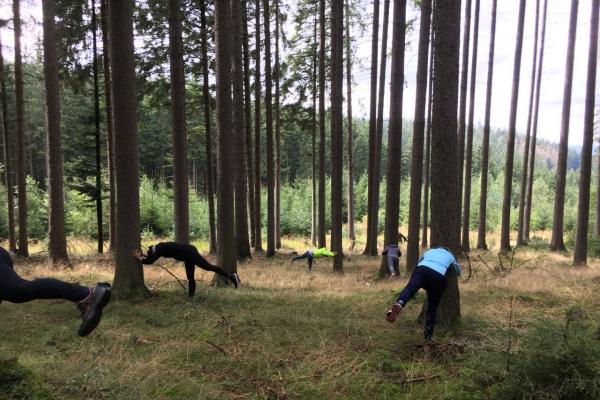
[248, 119]
[580, 254]
[445, 213]
[374, 195]
[239, 136]
[210, 191]
[351, 235]
[112, 200]
[277, 73]
[322, 29]
[462, 107]
[57, 246]
[98, 188]
[426, 173]
[8, 162]
[392, 197]
[531, 165]
[129, 276]
[557, 243]
[522, 193]
[485, 147]
[23, 249]
[466, 225]
[313, 230]
[372, 121]
[416, 166]
[510, 147]
[225, 140]
[337, 131]
[269, 132]
[257, 128]
[178, 129]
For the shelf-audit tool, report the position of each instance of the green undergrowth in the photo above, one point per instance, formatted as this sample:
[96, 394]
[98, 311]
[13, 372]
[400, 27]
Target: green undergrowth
[19, 383]
[307, 342]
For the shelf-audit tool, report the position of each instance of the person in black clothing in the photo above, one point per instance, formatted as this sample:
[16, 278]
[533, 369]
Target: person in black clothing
[89, 300]
[189, 255]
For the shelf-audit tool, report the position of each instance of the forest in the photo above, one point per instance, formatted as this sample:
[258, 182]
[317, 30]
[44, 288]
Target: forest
[248, 139]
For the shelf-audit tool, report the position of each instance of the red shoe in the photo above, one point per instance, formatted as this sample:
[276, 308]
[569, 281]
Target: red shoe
[393, 312]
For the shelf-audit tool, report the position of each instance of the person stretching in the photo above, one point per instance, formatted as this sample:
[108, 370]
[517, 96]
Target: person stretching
[393, 253]
[189, 255]
[312, 254]
[89, 300]
[430, 274]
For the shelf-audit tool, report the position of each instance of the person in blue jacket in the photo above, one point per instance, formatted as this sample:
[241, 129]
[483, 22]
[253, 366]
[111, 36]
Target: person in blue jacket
[430, 274]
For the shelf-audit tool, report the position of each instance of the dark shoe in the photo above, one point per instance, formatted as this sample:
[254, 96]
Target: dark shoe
[234, 279]
[428, 333]
[393, 312]
[91, 308]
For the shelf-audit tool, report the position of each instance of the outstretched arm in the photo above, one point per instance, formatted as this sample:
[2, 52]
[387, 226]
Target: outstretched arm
[144, 259]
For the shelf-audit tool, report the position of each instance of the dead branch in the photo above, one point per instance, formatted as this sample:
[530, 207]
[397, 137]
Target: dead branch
[216, 347]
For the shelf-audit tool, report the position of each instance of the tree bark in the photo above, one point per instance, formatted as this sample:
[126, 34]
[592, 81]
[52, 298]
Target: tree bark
[462, 110]
[337, 131]
[372, 121]
[521, 240]
[178, 128]
[23, 249]
[239, 136]
[321, 236]
[374, 195]
[416, 166]
[129, 276]
[393, 176]
[580, 254]
[225, 141]
[98, 148]
[466, 225]
[485, 147]
[269, 132]
[248, 119]
[8, 162]
[112, 201]
[277, 73]
[425, 235]
[257, 129]
[313, 231]
[351, 235]
[210, 191]
[557, 242]
[531, 166]
[510, 146]
[445, 213]
[57, 241]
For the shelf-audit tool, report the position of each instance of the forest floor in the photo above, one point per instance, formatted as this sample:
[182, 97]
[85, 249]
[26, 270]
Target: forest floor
[284, 334]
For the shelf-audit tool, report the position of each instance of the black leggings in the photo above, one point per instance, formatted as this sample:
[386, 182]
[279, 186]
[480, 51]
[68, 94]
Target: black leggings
[15, 289]
[196, 260]
[434, 284]
[308, 255]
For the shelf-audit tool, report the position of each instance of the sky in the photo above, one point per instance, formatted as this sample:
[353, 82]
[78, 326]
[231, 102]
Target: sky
[553, 74]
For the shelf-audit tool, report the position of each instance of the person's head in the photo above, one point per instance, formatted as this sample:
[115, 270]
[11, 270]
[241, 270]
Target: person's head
[151, 250]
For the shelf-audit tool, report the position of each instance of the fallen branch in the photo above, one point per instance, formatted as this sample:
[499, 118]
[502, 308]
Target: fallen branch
[216, 347]
[421, 379]
[173, 275]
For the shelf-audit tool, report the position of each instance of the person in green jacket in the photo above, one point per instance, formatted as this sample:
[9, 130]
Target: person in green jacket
[311, 254]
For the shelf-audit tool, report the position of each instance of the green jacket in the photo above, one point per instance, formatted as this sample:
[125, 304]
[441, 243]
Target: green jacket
[322, 252]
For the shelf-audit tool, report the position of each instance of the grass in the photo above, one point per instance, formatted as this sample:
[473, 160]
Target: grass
[285, 334]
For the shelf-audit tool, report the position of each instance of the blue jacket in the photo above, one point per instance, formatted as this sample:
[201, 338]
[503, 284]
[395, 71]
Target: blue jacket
[439, 260]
